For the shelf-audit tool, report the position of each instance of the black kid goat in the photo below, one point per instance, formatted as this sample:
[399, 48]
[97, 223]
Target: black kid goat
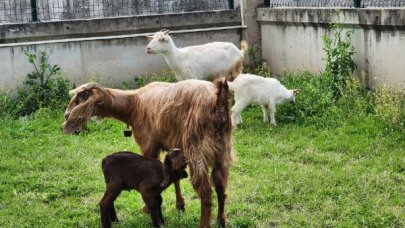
[126, 171]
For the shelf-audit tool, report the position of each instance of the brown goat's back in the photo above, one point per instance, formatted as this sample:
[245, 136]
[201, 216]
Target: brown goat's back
[190, 114]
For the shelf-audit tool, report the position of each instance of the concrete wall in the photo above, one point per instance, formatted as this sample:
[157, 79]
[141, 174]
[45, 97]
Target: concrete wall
[108, 59]
[291, 40]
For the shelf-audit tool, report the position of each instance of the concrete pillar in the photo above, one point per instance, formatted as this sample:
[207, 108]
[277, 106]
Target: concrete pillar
[252, 33]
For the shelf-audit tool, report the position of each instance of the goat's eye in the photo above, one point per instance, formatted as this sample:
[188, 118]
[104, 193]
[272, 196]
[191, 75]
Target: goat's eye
[81, 99]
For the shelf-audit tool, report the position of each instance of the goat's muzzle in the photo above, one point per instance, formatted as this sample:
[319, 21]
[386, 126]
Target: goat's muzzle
[149, 50]
[184, 174]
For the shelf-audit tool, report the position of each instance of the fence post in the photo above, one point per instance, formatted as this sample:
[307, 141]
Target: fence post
[230, 4]
[34, 11]
[267, 3]
[357, 3]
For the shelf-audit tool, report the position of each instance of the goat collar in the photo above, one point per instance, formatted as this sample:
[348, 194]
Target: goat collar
[127, 132]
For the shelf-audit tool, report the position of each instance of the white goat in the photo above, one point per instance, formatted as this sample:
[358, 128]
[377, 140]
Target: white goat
[203, 62]
[253, 89]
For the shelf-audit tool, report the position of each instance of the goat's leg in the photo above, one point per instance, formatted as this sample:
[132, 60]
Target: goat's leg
[179, 197]
[113, 214]
[220, 175]
[272, 110]
[152, 203]
[265, 113]
[237, 108]
[202, 186]
[159, 200]
[107, 205]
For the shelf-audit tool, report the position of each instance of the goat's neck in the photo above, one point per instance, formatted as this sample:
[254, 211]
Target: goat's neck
[172, 55]
[118, 106]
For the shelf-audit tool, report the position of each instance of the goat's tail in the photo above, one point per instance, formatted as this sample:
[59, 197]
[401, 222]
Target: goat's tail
[237, 67]
[222, 105]
[244, 46]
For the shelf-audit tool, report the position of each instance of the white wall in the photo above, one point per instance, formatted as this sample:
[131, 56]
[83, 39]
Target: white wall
[291, 40]
[108, 61]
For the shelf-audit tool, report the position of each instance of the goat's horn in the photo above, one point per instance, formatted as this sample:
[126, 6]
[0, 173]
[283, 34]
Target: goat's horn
[165, 31]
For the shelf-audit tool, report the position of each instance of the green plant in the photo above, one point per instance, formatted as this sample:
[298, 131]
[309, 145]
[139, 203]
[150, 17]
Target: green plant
[42, 89]
[256, 65]
[164, 76]
[389, 104]
[7, 104]
[263, 69]
[339, 59]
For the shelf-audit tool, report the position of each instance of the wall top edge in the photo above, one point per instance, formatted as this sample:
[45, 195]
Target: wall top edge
[364, 16]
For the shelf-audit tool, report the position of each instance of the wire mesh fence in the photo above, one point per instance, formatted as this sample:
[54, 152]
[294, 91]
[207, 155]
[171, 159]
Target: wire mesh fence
[19, 11]
[334, 3]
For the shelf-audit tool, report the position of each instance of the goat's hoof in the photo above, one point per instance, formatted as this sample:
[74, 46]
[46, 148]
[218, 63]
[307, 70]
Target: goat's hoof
[180, 207]
[115, 219]
[145, 210]
[221, 222]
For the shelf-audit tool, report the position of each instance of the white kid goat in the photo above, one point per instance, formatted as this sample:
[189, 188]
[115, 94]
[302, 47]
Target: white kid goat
[252, 89]
[204, 62]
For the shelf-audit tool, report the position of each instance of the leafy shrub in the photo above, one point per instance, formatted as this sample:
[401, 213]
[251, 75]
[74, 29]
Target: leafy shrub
[42, 89]
[339, 59]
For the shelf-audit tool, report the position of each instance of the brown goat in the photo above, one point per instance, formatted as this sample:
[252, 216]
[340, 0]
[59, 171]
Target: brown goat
[192, 115]
[126, 171]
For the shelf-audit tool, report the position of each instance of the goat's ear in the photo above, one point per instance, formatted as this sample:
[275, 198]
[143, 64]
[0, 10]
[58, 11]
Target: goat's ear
[295, 91]
[149, 37]
[166, 176]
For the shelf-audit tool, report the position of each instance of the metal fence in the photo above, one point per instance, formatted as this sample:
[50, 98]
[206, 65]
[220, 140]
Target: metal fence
[334, 3]
[20, 11]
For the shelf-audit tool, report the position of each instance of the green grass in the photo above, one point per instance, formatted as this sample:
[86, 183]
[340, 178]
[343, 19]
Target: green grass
[290, 175]
[325, 164]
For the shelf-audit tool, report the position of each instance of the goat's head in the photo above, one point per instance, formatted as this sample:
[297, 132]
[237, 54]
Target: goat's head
[294, 93]
[159, 42]
[174, 167]
[83, 105]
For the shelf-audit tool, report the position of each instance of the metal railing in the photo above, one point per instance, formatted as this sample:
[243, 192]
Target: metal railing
[335, 3]
[20, 11]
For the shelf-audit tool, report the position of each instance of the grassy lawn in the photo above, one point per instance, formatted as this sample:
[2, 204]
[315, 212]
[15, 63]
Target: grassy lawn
[349, 173]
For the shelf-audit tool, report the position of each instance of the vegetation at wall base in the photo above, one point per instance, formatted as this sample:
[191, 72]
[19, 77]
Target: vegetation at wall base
[325, 164]
[43, 88]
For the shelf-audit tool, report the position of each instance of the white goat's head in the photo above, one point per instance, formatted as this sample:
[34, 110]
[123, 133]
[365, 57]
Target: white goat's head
[159, 42]
[83, 105]
[293, 93]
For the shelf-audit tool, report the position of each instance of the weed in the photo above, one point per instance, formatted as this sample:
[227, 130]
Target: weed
[339, 59]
